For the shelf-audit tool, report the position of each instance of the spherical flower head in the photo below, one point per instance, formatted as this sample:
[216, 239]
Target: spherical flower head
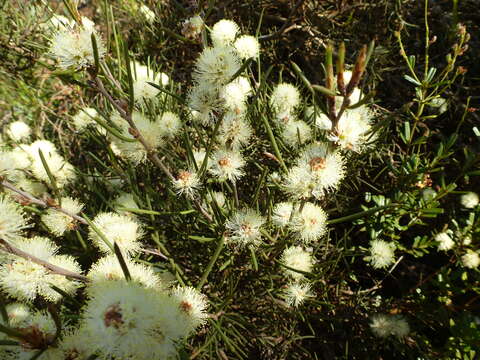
[234, 97]
[224, 32]
[216, 66]
[309, 224]
[383, 325]
[296, 133]
[192, 27]
[319, 119]
[471, 259]
[382, 254]
[428, 194]
[125, 320]
[296, 293]
[296, 258]
[300, 183]
[186, 183]
[469, 200]
[205, 102]
[327, 167]
[108, 269]
[84, 118]
[285, 98]
[18, 131]
[74, 345]
[244, 84]
[127, 201]
[119, 229]
[192, 306]
[244, 228]
[142, 90]
[72, 47]
[247, 47]
[282, 212]
[18, 314]
[234, 131]
[25, 280]
[35, 188]
[227, 165]
[353, 127]
[62, 170]
[12, 220]
[147, 13]
[151, 131]
[170, 124]
[444, 241]
[58, 222]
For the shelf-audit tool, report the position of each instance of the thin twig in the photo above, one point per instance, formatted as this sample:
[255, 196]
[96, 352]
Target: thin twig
[284, 27]
[34, 200]
[7, 247]
[151, 152]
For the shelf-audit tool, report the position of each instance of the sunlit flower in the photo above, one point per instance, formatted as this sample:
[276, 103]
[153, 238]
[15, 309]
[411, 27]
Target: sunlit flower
[244, 227]
[224, 32]
[18, 131]
[444, 241]
[309, 223]
[227, 165]
[247, 47]
[296, 258]
[382, 254]
[296, 293]
[58, 222]
[469, 200]
[471, 259]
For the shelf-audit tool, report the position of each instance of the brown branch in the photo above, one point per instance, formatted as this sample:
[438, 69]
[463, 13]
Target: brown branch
[31, 199]
[151, 152]
[7, 247]
[286, 25]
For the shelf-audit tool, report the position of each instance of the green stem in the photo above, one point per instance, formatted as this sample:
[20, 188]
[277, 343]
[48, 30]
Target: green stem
[212, 262]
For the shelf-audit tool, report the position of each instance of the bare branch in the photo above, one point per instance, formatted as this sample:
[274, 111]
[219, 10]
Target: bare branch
[7, 247]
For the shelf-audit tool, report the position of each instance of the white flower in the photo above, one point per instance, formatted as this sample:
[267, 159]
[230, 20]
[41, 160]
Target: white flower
[327, 167]
[310, 223]
[147, 13]
[108, 269]
[227, 165]
[151, 131]
[294, 257]
[296, 132]
[192, 27]
[127, 201]
[471, 259]
[125, 320]
[142, 74]
[285, 98]
[282, 213]
[58, 222]
[186, 183]
[216, 66]
[224, 32]
[12, 220]
[234, 131]
[119, 229]
[353, 127]
[192, 306]
[383, 325]
[234, 97]
[469, 200]
[428, 194]
[444, 241]
[17, 313]
[85, 117]
[247, 47]
[170, 124]
[319, 119]
[18, 131]
[74, 345]
[24, 279]
[72, 47]
[300, 183]
[382, 254]
[205, 102]
[244, 228]
[296, 293]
